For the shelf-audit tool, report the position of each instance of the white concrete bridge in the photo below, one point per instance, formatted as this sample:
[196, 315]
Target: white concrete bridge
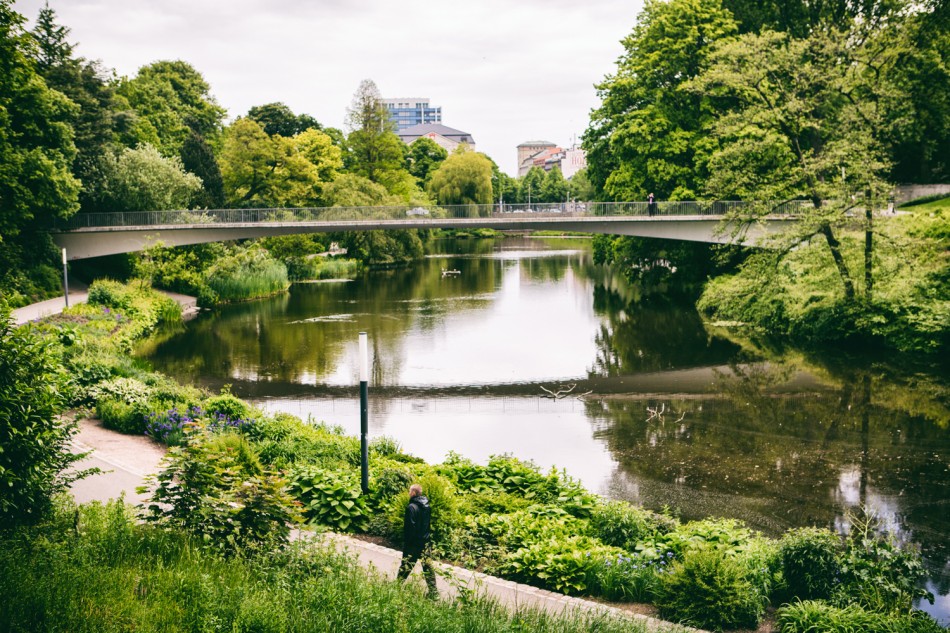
[96, 234]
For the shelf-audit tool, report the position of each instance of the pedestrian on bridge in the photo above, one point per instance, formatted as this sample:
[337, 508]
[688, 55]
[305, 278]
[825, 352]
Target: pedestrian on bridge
[651, 205]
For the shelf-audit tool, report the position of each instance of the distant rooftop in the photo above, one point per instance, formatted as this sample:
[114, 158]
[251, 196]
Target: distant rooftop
[537, 144]
[414, 132]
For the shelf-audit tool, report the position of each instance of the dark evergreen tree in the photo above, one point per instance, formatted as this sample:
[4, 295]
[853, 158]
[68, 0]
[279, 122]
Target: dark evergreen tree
[86, 84]
[278, 118]
[198, 158]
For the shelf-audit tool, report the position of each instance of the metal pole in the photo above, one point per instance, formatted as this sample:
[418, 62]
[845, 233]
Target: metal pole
[364, 413]
[65, 279]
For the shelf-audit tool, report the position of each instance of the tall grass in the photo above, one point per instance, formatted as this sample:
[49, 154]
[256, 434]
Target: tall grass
[248, 275]
[98, 570]
[316, 268]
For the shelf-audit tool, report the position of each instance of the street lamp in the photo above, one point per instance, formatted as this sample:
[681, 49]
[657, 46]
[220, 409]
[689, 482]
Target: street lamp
[364, 413]
[65, 279]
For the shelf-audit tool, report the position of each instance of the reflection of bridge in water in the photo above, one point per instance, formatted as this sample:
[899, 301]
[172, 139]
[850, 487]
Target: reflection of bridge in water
[699, 382]
[96, 234]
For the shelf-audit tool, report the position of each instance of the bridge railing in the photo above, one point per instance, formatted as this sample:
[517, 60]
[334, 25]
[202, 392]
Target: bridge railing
[659, 209]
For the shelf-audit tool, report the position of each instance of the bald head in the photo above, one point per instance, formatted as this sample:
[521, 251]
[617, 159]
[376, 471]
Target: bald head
[415, 490]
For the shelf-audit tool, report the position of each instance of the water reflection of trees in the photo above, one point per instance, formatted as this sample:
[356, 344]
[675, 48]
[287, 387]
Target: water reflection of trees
[642, 334]
[301, 337]
[780, 460]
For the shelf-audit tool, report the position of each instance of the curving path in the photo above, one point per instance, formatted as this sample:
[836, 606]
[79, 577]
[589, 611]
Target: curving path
[127, 459]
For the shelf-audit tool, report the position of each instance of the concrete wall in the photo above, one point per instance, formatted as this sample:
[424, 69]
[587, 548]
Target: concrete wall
[905, 193]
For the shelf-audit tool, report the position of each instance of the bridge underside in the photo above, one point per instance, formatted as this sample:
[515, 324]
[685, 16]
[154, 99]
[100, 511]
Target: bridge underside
[96, 242]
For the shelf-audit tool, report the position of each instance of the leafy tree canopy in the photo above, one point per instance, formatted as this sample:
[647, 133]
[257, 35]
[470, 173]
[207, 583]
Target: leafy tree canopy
[36, 140]
[647, 135]
[278, 118]
[372, 145]
[141, 179]
[425, 156]
[169, 98]
[263, 170]
[464, 178]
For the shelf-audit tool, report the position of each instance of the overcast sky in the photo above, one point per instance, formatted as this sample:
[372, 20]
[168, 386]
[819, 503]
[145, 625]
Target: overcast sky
[506, 71]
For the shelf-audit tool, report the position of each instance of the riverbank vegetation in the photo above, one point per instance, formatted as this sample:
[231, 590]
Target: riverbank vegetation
[723, 100]
[236, 478]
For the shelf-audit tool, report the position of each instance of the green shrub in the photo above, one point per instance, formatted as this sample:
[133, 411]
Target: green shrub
[283, 440]
[34, 441]
[727, 535]
[562, 565]
[709, 589]
[809, 562]
[215, 488]
[125, 390]
[876, 572]
[628, 577]
[329, 499]
[112, 294]
[621, 524]
[229, 406]
[121, 416]
[388, 482]
[813, 616]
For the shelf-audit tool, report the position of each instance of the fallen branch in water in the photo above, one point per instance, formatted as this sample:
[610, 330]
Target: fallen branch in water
[561, 393]
[657, 413]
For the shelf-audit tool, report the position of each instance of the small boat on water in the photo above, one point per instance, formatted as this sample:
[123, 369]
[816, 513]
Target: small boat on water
[449, 273]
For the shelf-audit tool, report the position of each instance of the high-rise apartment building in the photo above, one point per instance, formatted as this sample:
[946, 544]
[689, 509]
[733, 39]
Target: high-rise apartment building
[409, 111]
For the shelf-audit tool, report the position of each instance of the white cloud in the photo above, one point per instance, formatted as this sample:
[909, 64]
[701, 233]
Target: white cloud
[504, 71]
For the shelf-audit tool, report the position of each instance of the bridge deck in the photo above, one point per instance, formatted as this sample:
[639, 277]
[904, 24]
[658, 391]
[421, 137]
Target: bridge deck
[97, 234]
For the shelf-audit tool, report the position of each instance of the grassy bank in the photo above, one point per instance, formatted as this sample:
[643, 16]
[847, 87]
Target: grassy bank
[798, 296]
[237, 476]
[95, 569]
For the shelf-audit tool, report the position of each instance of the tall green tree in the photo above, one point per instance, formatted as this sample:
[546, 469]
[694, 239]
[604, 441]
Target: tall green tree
[36, 151]
[464, 178]
[813, 121]
[554, 188]
[170, 98]
[198, 158]
[800, 17]
[278, 118]
[95, 120]
[530, 185]
[647, 135]
[424, 157]
[373, 149]
[141, 179]
[265, 171]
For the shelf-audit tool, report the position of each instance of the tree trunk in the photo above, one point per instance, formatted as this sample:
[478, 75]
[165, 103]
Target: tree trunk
[835, 246]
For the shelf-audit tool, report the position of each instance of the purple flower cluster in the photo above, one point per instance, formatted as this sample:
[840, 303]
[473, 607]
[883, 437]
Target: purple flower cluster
[222, 422]
[170, 424]
[634, 562]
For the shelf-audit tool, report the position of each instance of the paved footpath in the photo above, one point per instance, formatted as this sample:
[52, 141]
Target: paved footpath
[127, 459]
[79, 293]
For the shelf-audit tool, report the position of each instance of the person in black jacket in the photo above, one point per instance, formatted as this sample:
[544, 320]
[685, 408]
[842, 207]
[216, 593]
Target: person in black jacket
[416, 535]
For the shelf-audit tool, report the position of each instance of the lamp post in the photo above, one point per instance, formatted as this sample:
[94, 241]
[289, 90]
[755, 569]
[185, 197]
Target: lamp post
[364, 413]
[65, 279]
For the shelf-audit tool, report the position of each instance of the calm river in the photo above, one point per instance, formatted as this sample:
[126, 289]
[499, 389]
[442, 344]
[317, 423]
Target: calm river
[676, 416]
